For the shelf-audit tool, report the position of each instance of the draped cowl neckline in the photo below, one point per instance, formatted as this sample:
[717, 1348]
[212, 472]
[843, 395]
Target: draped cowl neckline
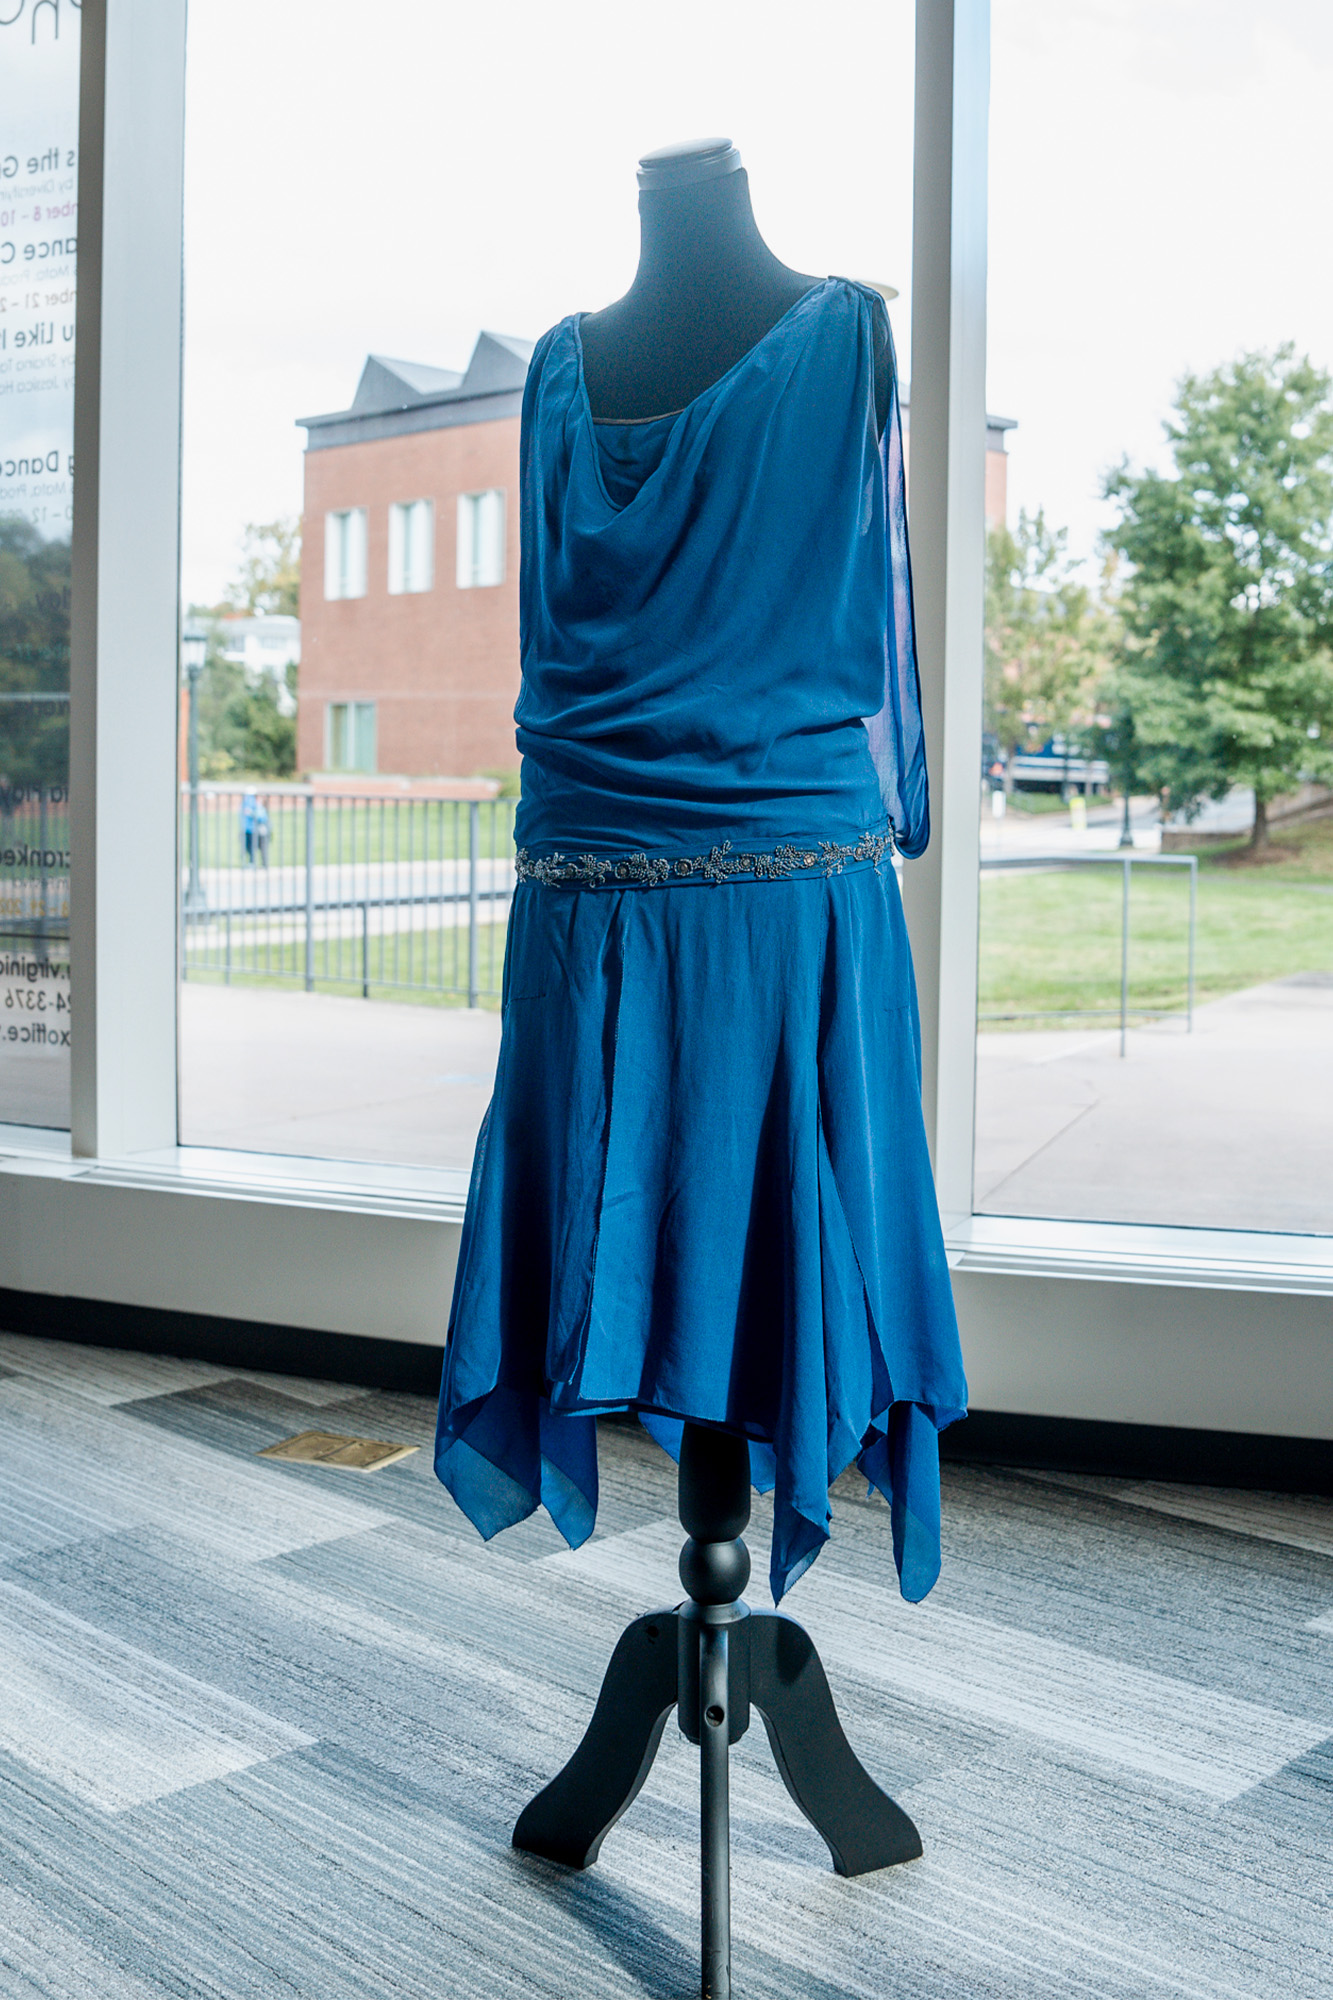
[653, 435]
[715, 605]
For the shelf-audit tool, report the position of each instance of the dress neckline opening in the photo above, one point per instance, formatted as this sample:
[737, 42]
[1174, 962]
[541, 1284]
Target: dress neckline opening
[687, 409]
[576, 323]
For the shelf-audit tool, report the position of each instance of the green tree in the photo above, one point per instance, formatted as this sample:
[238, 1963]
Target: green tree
[269, 579]
[1226, 668]
[1047, 638]
[34, 655]
[245, 726]
[268, 733]
[242, 725]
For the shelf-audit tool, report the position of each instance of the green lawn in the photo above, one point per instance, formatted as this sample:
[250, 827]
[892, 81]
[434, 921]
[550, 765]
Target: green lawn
[1049, 946]
[1034, 805]
[1052, 941]
[357, 831]
[414, 966]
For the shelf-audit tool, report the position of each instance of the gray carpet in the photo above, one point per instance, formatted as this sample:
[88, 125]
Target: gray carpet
[265, 1729]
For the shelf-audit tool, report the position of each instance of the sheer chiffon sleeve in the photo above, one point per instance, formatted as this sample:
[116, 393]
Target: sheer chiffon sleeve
[897, 738]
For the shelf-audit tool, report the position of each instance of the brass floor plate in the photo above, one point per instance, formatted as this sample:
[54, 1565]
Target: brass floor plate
[326, 1448]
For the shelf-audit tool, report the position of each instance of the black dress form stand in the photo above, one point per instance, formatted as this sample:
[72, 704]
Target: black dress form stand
[707, 289]
[713, 1659]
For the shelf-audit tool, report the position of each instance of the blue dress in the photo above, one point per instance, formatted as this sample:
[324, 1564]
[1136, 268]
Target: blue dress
[702, 1189]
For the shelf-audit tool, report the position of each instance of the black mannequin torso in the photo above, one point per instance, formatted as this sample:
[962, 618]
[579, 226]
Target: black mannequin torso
[707, 290]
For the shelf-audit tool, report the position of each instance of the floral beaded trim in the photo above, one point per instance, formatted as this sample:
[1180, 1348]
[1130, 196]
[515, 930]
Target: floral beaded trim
[720, 864]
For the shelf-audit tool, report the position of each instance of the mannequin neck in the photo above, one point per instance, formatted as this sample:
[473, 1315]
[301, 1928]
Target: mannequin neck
[696, 240]
[707, 290]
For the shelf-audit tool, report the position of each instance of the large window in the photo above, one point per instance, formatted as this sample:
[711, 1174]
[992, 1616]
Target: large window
[1155, 1012]
[340, 933]
[39, 115]
[351, 462]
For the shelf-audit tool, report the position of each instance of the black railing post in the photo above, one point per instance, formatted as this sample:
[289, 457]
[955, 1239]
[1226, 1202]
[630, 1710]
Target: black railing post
[473, 862]
[1124, 958]
[310, 892]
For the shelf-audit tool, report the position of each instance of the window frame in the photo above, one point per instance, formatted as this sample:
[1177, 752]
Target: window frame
[404, 581]
[471, 522]
[338, 537]
[1136, 1325]
[355, 712]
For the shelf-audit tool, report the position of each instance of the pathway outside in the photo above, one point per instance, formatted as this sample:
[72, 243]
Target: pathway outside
[1227, 1127]
[334, 1079]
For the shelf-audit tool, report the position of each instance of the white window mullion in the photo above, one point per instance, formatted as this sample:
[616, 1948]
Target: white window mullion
[947, 511]
[124, 662]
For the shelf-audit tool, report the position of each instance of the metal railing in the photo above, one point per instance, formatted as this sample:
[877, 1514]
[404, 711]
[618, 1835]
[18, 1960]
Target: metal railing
[1126, 862]
[294, 886]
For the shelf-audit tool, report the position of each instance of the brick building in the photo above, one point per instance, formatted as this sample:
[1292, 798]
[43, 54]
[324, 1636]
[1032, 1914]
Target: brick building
[409, 585]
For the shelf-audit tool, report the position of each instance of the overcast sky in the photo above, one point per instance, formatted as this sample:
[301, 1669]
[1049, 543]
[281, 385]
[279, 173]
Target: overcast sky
[393, 179]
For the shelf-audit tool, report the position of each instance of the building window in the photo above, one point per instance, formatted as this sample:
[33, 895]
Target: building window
[481, 539]
[351, 736]
[411, 546]
[345, 553]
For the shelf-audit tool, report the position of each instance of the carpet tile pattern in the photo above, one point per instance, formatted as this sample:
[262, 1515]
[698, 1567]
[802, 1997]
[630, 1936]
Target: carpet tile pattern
[265, 1728]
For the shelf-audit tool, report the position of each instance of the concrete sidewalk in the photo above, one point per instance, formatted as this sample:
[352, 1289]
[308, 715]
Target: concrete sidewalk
[334, 1079]
[1230, 1127]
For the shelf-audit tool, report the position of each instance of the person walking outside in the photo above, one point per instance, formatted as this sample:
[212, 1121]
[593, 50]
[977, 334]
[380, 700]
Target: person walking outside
[250, 810]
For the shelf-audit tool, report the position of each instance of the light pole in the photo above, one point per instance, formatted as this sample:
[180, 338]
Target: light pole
[1126, 748]
[194, 651]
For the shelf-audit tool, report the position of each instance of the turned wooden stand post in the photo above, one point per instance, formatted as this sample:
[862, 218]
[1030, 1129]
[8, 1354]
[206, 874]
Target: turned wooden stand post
[711, 1658]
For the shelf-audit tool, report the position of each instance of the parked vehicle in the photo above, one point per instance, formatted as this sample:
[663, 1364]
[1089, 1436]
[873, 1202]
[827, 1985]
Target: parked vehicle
[1059, 767]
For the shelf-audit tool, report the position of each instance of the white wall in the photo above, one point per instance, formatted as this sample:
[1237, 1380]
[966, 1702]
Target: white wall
[300, 1263]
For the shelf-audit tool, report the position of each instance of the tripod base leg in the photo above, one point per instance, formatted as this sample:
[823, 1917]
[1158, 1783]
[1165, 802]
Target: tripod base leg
[860, 1824]
[569, 1820]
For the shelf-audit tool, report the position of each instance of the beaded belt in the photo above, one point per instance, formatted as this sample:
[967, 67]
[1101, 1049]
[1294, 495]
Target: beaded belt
[720, 864]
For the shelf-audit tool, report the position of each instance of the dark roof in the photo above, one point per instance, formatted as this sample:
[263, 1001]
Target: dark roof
[393, 397]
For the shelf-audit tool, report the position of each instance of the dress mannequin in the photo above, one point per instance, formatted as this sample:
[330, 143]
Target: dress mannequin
[707, 290]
